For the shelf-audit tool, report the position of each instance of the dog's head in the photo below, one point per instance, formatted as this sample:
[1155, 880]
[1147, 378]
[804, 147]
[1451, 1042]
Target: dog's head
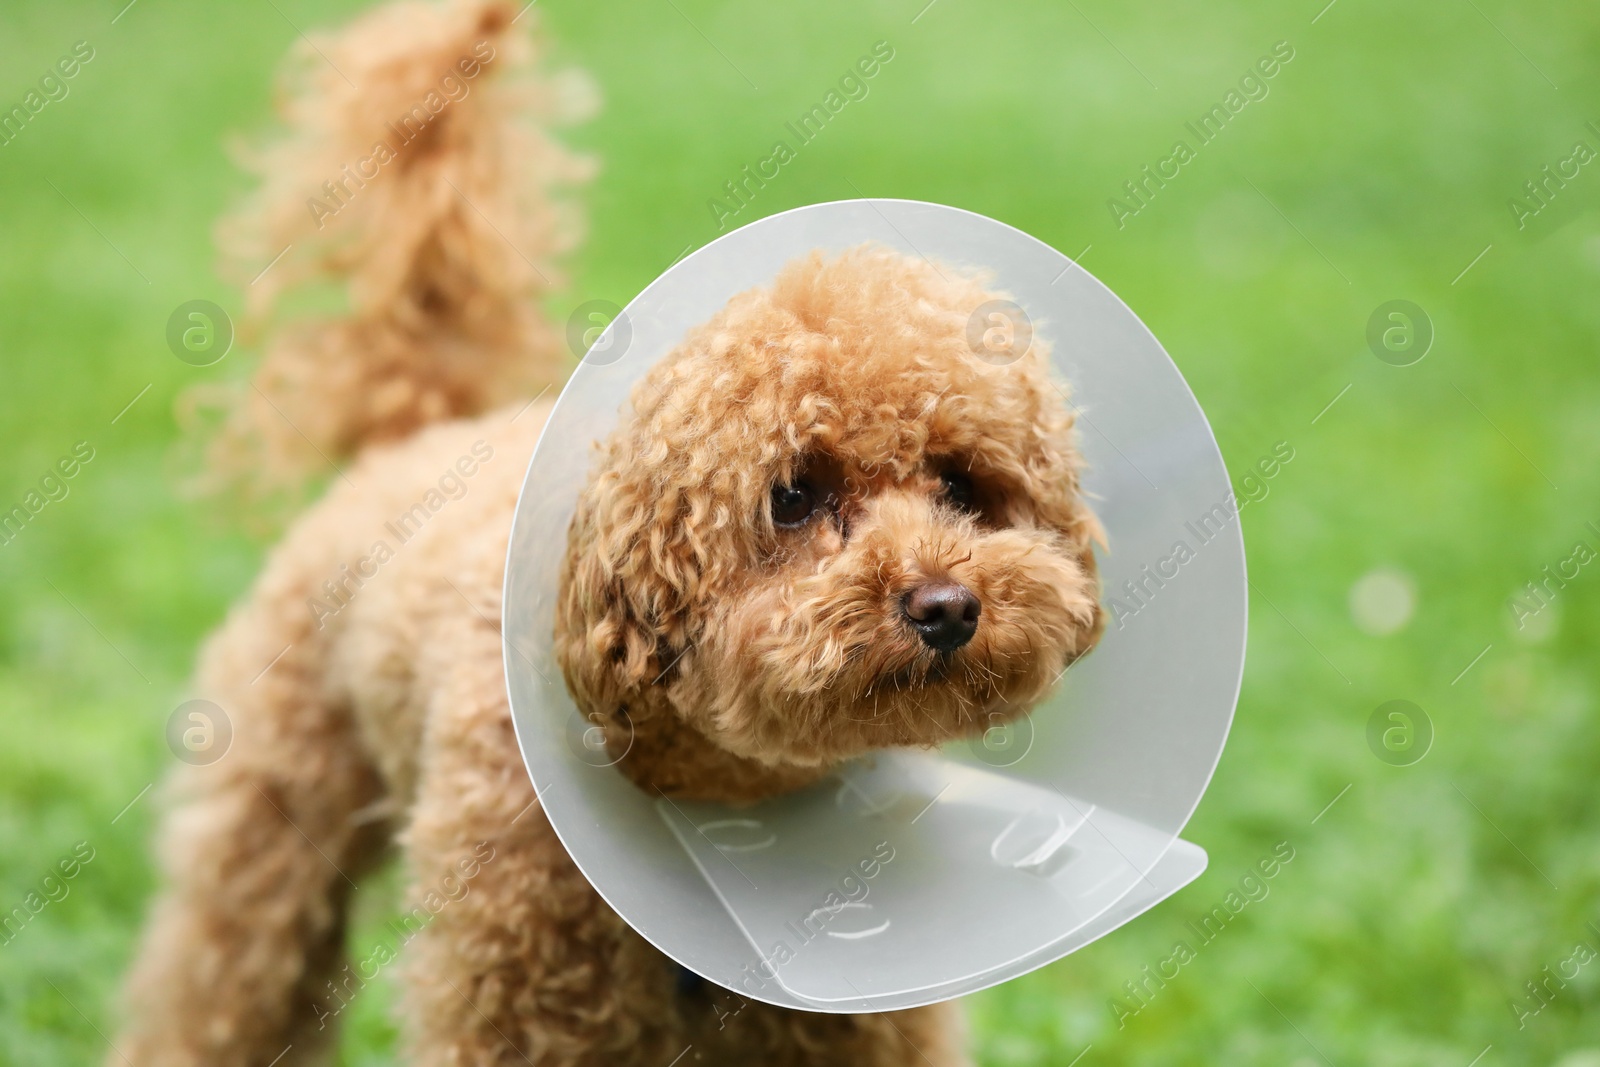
[827, 526]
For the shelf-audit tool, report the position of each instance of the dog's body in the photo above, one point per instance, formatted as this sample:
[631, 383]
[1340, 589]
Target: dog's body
[392, 715]
[823, 527]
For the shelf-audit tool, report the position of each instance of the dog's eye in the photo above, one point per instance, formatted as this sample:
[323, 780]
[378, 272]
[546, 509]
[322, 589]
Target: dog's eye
[793, 504]
[959, 490]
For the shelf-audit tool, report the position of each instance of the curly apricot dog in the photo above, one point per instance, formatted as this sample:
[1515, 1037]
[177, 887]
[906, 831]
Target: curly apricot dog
[824, 527]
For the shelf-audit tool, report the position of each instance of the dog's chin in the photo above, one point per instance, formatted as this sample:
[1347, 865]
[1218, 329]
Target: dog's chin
[923, 699]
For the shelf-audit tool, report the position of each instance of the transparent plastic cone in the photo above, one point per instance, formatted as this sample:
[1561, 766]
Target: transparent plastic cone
[912, 877]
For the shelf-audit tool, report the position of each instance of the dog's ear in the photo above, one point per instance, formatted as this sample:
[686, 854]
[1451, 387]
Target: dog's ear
[630, 572]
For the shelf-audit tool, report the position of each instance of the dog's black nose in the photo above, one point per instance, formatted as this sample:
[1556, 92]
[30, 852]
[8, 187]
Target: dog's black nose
[945, 614]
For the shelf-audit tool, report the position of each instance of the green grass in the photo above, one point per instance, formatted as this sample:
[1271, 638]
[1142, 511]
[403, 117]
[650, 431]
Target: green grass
[1414, 908]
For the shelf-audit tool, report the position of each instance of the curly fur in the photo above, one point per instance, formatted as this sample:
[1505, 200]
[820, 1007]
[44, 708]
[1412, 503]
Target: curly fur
[439, 256]
[770, 654]
[363, 674]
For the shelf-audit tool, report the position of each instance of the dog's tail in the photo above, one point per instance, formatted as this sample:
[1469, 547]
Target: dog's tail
[416, 192]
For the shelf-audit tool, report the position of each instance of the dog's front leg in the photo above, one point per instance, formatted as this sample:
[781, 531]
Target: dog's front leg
[262, 849]
[521, 961]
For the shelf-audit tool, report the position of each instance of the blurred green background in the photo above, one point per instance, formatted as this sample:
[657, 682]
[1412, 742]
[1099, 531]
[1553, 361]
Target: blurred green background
[1380, 166]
